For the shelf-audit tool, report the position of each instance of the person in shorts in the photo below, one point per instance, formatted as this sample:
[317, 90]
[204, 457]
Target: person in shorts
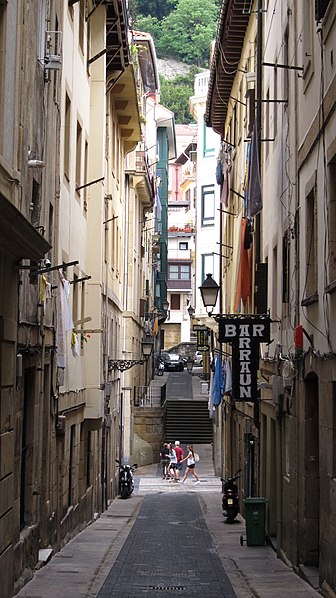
[172, 464]
[179, 454]
[190, 459]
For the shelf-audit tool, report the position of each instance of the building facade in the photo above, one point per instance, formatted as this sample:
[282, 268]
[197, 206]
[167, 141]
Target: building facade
[68, 204]
[278, 131]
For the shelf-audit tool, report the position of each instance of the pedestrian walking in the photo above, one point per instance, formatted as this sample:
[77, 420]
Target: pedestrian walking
[179, 455]
[164, 457]
[172, 464]
[190, 459]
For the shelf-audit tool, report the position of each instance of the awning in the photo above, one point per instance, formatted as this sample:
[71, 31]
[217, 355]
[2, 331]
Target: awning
[18, 236]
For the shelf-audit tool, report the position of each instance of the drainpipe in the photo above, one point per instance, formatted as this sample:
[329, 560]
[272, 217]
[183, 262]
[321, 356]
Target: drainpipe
[257, 220]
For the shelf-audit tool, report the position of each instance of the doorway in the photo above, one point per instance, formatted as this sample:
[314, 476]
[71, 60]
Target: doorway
[311, 512]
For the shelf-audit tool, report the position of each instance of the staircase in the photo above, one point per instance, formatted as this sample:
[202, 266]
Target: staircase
[187, 421]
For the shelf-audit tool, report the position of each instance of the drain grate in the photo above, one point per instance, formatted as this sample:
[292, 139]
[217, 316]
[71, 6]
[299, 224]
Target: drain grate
[168, 588]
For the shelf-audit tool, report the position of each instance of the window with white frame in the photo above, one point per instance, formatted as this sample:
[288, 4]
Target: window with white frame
[179, 271]
[208, 205]
[207, 264]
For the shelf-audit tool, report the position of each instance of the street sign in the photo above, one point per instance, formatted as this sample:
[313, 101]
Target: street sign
[200, 327]
[204, 348]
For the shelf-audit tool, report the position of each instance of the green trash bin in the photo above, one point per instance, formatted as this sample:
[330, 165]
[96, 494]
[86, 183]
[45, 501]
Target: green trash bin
[255, 516]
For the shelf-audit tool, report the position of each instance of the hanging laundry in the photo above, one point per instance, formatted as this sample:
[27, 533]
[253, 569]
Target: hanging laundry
[211, 408]
[224, 198]
[244, 278]
[218, 384]
[254, 198]
[228, 377]
[74, 344]
[64, 319]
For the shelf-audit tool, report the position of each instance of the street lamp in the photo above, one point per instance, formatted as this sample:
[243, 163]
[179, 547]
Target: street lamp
[125, 364]
[209, 291]
[147, 345]
[191, 311]
[165, 305]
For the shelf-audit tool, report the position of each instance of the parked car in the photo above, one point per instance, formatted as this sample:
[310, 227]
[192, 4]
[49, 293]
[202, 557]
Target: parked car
[198, 358]
[173, 362]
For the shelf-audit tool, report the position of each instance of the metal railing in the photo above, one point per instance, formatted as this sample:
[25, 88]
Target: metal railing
[150, 396]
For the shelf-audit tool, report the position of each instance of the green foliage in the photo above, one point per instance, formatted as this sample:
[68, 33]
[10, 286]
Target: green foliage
[154, 8]
[187, 32]
[181, 29]
[175, 95]
[150, 25]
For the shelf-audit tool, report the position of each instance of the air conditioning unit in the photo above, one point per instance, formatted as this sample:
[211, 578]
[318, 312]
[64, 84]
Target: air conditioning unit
[52, 53]
[60, 425]
[52, 62]
[250, 77]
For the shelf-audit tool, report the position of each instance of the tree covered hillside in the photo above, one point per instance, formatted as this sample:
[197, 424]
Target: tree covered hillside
[182, 29]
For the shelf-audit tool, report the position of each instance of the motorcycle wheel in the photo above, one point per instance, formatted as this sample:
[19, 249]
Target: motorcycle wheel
[230, 517]
[124, 492]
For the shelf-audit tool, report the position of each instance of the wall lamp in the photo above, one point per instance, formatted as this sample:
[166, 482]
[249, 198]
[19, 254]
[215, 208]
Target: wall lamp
[209, 292]
[121, 365]
[191, 311]
[165, 305]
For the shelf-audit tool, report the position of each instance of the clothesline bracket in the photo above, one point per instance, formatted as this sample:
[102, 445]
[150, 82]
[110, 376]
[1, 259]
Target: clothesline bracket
[47, 269]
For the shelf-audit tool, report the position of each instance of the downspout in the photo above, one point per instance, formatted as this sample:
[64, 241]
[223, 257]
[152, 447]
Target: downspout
[258, 217]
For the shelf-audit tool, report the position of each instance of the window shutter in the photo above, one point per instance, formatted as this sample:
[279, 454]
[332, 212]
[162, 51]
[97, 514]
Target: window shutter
[320, 9]
[260, 292]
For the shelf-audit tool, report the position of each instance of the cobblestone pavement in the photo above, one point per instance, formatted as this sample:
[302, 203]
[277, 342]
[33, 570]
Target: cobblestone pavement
[168, 552]
[167, 540]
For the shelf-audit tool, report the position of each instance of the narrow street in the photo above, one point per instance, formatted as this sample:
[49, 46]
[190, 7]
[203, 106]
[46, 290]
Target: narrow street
[167, 540]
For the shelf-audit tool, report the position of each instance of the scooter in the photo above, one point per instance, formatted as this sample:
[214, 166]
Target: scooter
[126, 483]
[230, 501]
[160, 368]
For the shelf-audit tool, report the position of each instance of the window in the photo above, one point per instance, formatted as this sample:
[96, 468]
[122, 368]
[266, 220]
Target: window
[275, 105]
[307, 38]
[78, 156]
[175, 301]
[86, 169]
[207, 264]
[67, 129]
[81, 25]
[179, 272]
[75, 306]
[275, 282]
[183, 245]
[208, 205]
[311, 243]
[209, 142]
[285, 268]
[332, 220]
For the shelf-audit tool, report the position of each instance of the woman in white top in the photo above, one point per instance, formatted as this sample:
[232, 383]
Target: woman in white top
[172, 464]
[190, 459]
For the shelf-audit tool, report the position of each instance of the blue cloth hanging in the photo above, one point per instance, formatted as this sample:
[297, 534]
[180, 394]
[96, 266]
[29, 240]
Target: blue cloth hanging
[218, 384]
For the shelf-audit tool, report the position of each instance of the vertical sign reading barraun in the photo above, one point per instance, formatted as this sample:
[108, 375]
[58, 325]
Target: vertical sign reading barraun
[244, 333]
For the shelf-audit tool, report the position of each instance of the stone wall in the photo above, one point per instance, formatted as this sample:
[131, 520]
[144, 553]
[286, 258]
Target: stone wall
[148, 426]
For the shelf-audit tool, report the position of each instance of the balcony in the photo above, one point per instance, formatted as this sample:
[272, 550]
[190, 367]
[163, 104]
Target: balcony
[179, 255]
[178, 284]
[181, 230]
[143, 181]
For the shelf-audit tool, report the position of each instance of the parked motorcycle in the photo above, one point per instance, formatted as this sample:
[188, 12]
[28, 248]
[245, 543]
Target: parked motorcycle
[126, 483]
[160, 368]
[230, 501]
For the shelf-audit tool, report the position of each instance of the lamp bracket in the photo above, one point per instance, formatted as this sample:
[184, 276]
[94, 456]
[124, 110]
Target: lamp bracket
[123, 364]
